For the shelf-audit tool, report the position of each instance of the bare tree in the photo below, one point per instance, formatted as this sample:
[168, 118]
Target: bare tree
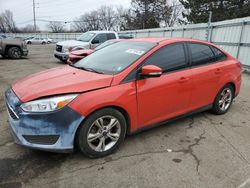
[176, 13]
[56, 27]
[107, 17]
[28, 29]
[88, 21]
[103, 18]
[3, 28]
[124, 19]
[7, 23]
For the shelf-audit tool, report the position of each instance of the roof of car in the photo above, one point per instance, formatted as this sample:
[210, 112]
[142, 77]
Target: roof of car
[102, 31]
[164, 40]
[148, 39]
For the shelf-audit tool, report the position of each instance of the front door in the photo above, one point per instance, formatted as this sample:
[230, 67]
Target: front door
[167, 96]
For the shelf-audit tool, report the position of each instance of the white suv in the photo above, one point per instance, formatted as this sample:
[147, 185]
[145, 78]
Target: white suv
[88, 40]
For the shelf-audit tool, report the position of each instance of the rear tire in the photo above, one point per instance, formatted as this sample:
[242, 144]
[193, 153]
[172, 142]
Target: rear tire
[14, 53]
[29, 42]
[223, 100]
[102, 133]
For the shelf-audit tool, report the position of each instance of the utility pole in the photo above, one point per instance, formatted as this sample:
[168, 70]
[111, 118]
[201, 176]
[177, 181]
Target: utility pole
[34, 15]
[209, 36]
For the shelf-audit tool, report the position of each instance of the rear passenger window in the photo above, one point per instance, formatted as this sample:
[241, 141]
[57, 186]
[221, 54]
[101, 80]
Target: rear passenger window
[168, 58]
[111, 36]
[219, 55]
[201, 54]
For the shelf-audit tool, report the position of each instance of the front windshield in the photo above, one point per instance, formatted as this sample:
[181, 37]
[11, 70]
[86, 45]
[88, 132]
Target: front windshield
[116, 57]
[107, 43]
[86, 37]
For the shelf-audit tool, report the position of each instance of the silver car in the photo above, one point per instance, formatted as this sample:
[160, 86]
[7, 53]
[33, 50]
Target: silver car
[36, 40]
[88, 40]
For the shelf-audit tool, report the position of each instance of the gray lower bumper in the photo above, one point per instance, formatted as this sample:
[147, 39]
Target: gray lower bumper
[44, 131]
[61, 56]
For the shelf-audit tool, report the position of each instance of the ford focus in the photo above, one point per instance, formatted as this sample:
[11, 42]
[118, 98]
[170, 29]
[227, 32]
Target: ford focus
[121, 89]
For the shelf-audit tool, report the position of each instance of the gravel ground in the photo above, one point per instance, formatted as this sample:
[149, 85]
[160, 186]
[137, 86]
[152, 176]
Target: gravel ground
[199, 151]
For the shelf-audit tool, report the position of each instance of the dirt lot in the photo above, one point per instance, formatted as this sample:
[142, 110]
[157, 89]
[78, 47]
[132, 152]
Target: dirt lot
[200, 151]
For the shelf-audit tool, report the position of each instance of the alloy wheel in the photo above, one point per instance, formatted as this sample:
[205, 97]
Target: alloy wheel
[104, 133]
[225, 99]
[16, 53]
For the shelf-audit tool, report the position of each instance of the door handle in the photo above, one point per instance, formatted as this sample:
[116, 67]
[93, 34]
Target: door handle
[183, 79]
[218, 71]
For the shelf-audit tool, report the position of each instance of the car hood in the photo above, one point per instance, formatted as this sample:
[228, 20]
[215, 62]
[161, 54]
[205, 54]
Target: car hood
[72, 43]
[12, 41]
[60, 80]
[82, 52]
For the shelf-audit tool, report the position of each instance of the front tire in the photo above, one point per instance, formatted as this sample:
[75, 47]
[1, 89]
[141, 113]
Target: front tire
[223, 100]
[102, 133]
[14, 53]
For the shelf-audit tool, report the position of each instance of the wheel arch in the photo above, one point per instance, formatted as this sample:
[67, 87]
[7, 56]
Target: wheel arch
[116, 107]
[233, 85]
[10, 46]
[223, 85]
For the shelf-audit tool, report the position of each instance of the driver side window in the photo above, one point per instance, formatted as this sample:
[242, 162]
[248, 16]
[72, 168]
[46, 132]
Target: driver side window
[169, 58]
[100, 38]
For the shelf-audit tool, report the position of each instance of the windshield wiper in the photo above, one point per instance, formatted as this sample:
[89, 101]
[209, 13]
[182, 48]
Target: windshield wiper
[87, 69]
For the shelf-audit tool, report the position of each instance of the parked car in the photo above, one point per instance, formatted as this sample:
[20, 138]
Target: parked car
[28, 38]
[13, 48]
[48, 40]
[36, 40]
[121, 89]
[125, 36]
[3, 36]
[78, 53]
[88, 40]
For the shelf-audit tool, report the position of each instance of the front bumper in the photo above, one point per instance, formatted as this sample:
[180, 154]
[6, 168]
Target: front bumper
[25, 52]
[61, 56]
[45, 131]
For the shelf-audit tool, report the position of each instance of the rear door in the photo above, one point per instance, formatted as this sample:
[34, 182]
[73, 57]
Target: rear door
[111, 36]
[207, 70]
[169, 95]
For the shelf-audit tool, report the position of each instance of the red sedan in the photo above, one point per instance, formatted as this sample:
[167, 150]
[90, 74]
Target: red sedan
[119, 90]
[76, 55]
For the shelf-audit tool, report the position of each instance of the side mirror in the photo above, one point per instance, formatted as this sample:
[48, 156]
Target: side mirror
[95, 41]
[150, 71]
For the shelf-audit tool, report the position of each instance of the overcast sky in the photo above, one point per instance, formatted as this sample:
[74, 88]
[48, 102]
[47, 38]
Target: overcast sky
[61, 10]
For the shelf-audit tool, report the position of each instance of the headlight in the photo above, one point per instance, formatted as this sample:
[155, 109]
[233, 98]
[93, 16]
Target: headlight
[24, 44]
[48, 104]
[65, 50]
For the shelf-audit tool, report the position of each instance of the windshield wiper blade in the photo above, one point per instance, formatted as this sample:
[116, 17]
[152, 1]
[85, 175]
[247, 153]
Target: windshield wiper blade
[93, 70]
[87, 69]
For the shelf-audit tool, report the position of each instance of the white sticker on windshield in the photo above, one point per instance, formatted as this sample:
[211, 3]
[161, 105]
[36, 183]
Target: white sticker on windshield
[135, 51]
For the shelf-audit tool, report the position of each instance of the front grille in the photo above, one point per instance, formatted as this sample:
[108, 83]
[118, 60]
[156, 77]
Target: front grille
[58, 48]
[41, 139]
[11, 112]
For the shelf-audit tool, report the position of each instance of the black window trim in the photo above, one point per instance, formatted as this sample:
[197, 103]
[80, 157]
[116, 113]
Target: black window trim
[135, 71]
[205, 64]
[225, 56]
